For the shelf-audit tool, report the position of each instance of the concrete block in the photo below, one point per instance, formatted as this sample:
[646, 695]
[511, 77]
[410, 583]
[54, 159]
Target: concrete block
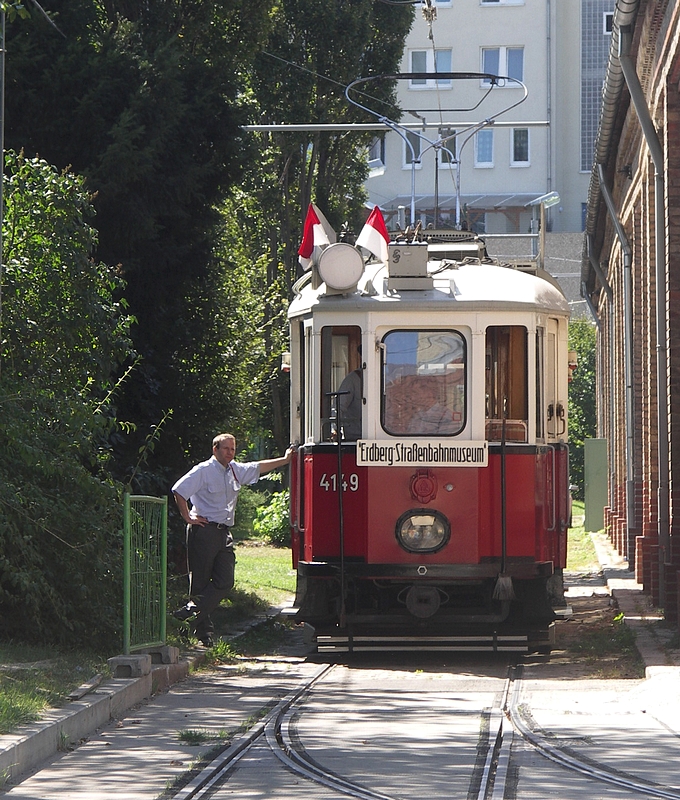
[165, 675]
[130, 666]
[163, 655]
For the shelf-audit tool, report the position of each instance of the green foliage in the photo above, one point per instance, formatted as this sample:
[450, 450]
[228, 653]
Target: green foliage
[272, 520]
[581, 553]
[145, 100]
[249, 500]
[33, 678]
[14, 10]
[60, 318]
[582, 409]
[63, 334]
[298, 78]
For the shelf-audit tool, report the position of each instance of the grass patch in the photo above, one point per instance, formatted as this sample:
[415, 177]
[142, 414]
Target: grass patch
[612, 648]
[197, 737]
[581, 555]
[265, 638]
[264, 578]
[262, 639]
[266, 570]
[34, 678]
[223, 652]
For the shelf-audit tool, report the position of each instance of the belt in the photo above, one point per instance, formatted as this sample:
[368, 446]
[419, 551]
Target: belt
[220, 525]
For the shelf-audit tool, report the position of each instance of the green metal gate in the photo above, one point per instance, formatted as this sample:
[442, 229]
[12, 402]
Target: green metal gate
[145, 523]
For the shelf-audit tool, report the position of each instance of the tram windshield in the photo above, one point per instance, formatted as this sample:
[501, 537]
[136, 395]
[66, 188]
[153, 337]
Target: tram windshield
[423, 383]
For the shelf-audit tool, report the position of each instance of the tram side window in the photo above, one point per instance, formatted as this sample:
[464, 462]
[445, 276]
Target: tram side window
[506, 383]
[341, 363]
[423, 383]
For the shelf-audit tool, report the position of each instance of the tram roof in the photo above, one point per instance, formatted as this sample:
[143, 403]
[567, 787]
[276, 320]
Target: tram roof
[466, 286]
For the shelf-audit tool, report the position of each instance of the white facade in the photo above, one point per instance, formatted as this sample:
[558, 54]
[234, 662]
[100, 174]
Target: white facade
[535, 147]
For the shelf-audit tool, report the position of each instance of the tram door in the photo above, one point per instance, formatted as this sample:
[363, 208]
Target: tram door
[506, 383]
[555, 410]
[340, 355]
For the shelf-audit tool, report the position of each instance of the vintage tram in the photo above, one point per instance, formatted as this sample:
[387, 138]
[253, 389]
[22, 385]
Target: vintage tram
[430, 491]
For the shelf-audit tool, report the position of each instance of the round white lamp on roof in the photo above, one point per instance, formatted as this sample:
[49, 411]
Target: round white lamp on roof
[340, 266]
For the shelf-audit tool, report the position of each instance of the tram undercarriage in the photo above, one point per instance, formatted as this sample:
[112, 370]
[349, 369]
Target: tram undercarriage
[376, 612]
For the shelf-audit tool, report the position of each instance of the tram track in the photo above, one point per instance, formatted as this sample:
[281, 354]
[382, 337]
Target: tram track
[506, 722]
[589, 768]
[221, 765]
[277, 729]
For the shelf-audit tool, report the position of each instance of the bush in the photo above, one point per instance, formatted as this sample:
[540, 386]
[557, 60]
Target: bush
[272, 520]
[249, 501]
[65, 338]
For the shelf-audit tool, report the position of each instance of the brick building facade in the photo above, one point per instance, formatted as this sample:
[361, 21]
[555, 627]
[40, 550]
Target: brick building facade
[631, 280]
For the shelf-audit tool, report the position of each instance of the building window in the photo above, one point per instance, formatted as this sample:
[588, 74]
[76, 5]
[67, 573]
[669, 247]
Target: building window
[447, 153]
[428, 61]
[376, 153]
[502, 2]
[484, 149]
[520, 147]
[411, 156]
[442, 63]
[503, 61]
[595, 45]
[419, 64]
[607, 22]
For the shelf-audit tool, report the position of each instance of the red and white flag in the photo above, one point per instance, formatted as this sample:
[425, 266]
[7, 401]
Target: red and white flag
[374, 235]
[317, 233]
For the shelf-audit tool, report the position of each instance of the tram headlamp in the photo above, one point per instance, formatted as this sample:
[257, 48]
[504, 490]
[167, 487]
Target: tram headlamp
[341, 266]
[423, 531]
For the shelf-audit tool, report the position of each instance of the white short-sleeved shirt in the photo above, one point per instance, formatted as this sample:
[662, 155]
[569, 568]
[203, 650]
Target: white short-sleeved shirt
[213, 489]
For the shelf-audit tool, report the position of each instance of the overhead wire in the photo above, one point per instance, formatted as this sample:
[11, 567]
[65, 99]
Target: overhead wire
[318, 75]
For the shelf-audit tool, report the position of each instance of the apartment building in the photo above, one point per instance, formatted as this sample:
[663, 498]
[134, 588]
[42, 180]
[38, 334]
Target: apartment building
[476, 154]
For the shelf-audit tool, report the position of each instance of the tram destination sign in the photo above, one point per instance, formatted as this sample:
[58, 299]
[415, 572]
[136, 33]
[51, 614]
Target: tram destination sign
[421, 453]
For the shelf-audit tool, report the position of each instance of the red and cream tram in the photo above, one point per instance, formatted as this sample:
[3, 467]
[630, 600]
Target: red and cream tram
[430, 491]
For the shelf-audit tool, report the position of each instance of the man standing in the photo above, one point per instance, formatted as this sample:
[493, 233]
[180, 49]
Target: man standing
[212, 488]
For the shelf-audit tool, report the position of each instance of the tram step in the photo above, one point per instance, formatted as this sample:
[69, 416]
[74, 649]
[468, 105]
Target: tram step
[486, 643]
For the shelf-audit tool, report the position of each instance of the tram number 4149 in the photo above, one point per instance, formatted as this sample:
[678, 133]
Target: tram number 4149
[330, 482]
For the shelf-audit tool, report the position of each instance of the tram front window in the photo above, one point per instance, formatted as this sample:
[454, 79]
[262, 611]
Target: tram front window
[423, 383]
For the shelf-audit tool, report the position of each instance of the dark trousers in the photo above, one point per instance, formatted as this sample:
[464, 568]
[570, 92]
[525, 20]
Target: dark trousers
[211, 560]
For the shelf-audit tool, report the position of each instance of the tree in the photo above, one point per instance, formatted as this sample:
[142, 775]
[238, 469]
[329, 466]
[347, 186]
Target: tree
[299, 78]
[144, 99]
[582, 412]
[64, 333]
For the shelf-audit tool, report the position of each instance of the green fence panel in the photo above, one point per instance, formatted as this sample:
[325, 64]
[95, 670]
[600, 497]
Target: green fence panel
[145, 524]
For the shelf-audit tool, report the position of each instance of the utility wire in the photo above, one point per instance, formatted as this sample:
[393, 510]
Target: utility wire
[318, 75]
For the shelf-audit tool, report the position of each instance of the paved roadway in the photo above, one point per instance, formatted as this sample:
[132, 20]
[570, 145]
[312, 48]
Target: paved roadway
[406, 729]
